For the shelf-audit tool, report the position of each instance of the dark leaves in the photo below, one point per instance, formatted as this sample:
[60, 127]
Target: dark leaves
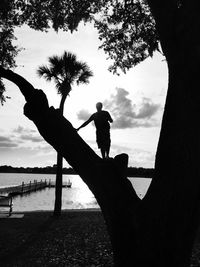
[128, 34]
[126, 28]
[65, 70]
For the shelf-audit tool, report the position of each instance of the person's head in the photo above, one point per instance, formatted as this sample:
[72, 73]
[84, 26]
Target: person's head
[99, 106]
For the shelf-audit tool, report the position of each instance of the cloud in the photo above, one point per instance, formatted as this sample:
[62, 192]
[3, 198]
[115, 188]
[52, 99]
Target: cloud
[21, 130]
[147, 109]
[129, 115]
[138, 157]
[27, 134]
[31, 138]
[4, 139]
[7, 145]
[83, 115]
[6, 142]
[28, 156]
[141, 157]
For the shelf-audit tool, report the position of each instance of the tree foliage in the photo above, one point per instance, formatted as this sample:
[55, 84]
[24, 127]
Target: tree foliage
[8, 51]
[127, 31]
[65, 70]
[126, 28]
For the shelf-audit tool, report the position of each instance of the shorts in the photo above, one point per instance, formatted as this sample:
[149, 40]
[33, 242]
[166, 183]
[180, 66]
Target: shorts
[103, 138]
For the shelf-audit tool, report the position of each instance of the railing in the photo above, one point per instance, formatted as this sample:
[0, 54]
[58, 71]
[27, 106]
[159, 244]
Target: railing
[25, 187]
[29, 187]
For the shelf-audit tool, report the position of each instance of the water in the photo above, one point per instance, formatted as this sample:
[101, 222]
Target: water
[77, 197]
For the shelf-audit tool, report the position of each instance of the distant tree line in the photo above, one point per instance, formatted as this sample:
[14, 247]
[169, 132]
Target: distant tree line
[47, 169]
[131, 171]
[140, 172]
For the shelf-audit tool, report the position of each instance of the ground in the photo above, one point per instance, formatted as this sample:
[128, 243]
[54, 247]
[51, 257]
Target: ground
[77, 238]
[38, 239]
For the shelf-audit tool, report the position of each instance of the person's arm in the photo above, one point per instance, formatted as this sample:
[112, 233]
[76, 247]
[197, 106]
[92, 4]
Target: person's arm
[85, 123]
[109, 118]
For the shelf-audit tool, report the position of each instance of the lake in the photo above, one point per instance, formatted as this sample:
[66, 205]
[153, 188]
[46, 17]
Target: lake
[77, 197]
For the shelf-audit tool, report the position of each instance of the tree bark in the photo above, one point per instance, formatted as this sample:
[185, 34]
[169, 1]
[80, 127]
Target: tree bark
[173, 196]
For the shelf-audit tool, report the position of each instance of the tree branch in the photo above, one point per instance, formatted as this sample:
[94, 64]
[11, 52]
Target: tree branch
[106, 178]
[164, 13]
[58, 132]
[25, 87]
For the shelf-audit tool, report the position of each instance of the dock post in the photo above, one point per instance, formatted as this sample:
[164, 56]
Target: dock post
[35, 185]
[22, 187]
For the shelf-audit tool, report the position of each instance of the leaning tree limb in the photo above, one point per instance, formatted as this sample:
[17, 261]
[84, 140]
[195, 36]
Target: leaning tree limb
[105, 178]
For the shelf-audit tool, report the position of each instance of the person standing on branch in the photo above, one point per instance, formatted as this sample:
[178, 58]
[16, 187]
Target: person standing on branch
[102, 120]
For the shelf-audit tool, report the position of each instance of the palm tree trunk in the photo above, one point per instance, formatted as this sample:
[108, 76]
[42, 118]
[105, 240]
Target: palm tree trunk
[59, 180]
[58, 186]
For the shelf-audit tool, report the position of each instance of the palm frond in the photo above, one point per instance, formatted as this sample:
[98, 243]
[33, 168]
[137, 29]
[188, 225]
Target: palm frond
[84, 74]
[69, 65]
[56, 65]
[84, 77]
[45, 71]
[65, 70]
[69, 58]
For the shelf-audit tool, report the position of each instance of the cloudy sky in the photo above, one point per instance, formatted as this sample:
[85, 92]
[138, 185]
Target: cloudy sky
[135, 100]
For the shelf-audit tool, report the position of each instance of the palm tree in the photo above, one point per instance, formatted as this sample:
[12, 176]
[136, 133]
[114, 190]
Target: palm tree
[64, 70]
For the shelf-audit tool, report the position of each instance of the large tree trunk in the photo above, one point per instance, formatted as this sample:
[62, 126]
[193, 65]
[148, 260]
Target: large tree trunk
[172, 202]
[173, 197]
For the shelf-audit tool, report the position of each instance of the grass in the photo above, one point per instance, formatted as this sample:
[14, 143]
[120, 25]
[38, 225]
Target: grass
[38, 239]
[76, 239]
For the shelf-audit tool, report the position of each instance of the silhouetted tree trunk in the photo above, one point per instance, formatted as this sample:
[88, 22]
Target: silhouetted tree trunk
[59, 174]
[173, 197]
[58, 186]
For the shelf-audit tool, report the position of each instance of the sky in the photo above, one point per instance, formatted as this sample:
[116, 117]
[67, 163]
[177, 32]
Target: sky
[135, 100]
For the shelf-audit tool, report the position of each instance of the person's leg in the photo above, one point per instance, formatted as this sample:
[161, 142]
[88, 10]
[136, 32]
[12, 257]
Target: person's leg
[107, 144]
[107, 151]
[103, 152]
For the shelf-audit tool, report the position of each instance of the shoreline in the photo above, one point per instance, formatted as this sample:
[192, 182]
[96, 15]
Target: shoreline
[62, 211]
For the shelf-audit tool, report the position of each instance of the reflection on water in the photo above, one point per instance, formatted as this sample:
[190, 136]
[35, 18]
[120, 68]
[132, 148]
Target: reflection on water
[140, 185]
[77, 197]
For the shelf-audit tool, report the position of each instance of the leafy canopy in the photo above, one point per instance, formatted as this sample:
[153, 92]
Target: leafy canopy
[126, 27]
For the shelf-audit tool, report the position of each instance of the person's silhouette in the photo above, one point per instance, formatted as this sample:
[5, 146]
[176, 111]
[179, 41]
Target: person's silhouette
[101, 120]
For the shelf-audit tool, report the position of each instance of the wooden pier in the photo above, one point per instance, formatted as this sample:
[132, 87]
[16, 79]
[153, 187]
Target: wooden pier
[26, 188]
